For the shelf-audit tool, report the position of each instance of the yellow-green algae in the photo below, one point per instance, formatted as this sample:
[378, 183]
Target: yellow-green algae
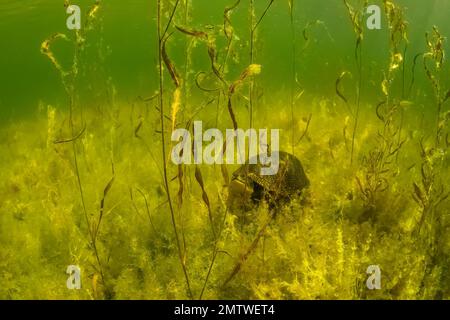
[317, 250]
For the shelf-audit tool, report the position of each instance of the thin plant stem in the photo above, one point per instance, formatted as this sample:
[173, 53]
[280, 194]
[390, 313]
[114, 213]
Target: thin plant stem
[358, 100]
[294, 73]
[215, 252]
[252, 57]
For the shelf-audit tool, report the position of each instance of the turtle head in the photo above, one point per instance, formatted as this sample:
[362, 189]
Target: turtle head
[240, 193]
[245, 190]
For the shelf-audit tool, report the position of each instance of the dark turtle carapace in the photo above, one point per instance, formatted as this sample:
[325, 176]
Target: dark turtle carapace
[249, 187]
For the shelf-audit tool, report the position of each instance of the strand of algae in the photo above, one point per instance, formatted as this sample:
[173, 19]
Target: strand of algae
[68, 78]
[356, 18]
[231, 88]
[228, 31]
[397, 37]
[252, 70]
[216, 251]
[294, 70]
[161, 39]
[244, 256]
[436, 54]
[181, 167]
[187, 54]
[211, 47]
[429, 194]
[297, 90]
[175, 107]
[249, 71]
[253, 29]
[431, 191]
[217, 71]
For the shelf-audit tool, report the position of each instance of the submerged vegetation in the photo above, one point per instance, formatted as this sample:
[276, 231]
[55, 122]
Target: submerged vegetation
[93, 185]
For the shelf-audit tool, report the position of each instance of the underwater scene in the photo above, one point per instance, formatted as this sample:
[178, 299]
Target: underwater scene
[227, 149]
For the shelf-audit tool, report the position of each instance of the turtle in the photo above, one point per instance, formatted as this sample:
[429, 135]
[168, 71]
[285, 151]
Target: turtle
[249, 187]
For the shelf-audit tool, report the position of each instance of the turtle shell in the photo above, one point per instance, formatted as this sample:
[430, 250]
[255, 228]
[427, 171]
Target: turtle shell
[289, 181]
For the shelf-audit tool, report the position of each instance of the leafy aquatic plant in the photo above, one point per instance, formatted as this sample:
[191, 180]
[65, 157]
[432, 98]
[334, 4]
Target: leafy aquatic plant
[163, 59]
[379, 165]
[435, 57]
[357, 18]
[69, 78]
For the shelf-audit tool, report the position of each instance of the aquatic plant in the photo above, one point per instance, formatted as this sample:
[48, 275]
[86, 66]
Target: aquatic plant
[357, 18]
[379, 165]
[69, 78]
[254, 24]
[294, 70]
[435, 56]
[228, 31]
[163, 58]
[430, 191]
[397, 38]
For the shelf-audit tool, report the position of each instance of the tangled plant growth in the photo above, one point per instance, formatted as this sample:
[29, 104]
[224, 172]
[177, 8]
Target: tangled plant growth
[98, 190]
